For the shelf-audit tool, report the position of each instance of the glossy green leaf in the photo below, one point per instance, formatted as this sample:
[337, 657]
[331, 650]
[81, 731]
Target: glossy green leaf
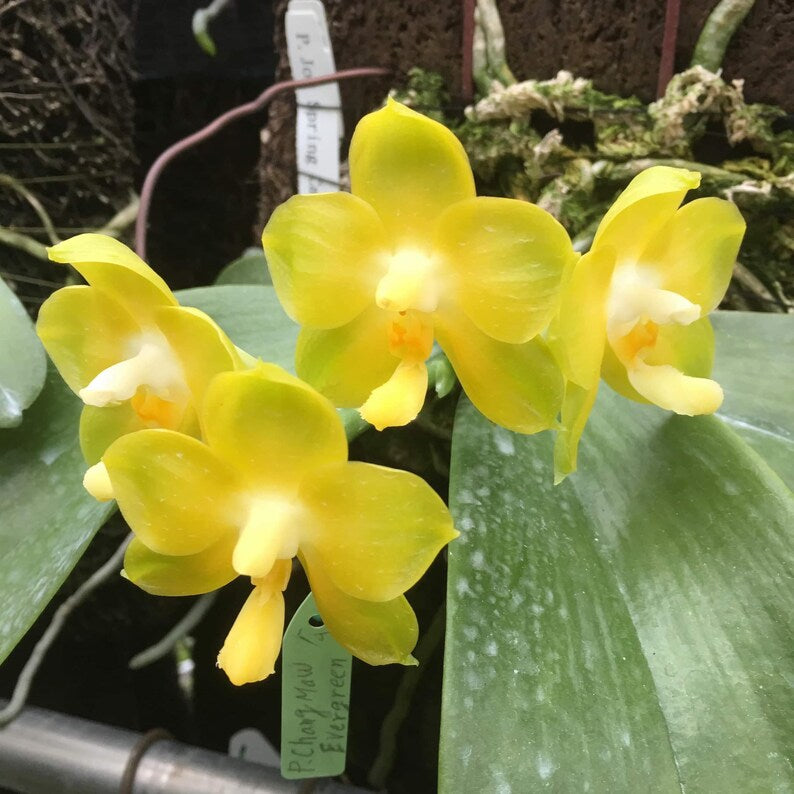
[251, 316]
[755, 365]
[23, 363]
[631, 629]
[254, 320]
[46, 517]
[250, 268]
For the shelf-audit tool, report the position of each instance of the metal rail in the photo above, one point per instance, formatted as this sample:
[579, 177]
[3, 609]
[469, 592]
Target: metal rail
[42, 752]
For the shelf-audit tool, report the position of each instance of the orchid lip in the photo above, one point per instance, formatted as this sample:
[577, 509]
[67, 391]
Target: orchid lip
[153, 365]
[636, 296]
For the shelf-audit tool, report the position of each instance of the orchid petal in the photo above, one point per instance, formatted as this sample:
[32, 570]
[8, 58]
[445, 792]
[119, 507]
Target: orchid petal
[642, 209]
[270, 426]
[506, 260]
[200, 346]
[409, 168]
[254, 642]
[695, 252]
[110, 266]
[517, 386]
[378, 529]
[576, 407]
[175, 494]
[347, 363]
[326, 253]
[398, 401]
[84, 331]
[669, 388]
[190, 574]
[687, 348]
[377, 632]
[578, 334]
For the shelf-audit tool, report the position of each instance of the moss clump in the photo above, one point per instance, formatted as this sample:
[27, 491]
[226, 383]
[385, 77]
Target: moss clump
[571, 148]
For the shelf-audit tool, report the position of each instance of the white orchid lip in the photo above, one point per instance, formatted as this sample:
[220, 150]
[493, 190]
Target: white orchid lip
[637, 306]
[153, 365]
[410, 282]
[636, 297]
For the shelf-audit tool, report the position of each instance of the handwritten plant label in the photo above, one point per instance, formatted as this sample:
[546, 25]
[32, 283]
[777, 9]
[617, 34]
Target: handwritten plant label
[315, 698]
[319, 118]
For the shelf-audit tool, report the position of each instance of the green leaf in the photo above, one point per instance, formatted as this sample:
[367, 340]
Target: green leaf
[23, 364]
[251, 316]
[254, 320]
[46, 517]
[630, 630]
[250, 268]
[754, 366]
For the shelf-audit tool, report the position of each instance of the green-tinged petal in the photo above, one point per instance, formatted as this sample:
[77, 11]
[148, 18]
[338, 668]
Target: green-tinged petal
[398, 401]
[505, 259]
[576, 407]
[271, 426]
[687, 348]
[695, 252]
[410, 169]
[578, 333]
[377, 632]
[254, 642]
[614, 374]
[517, 386]
[200, 345]
[84, 332]
[175, 494]
[109, 265]
[191, 574]
[377, 529]
[347, 363]
[642, 209]
[100, 427]
[326, 253]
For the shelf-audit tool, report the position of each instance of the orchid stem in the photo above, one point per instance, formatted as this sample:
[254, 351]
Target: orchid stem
[189, 621]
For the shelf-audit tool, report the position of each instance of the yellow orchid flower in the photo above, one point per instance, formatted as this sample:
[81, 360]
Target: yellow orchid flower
[412, 255]
[273, 482]
[634, 310]
[123, 344]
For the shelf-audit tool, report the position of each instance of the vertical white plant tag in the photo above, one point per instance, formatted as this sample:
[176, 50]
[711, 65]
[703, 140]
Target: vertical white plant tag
[319, 120]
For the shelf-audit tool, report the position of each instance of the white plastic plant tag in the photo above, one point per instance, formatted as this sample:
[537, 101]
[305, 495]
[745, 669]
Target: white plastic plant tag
[319, 116]
[250, 745]
[315, 698]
